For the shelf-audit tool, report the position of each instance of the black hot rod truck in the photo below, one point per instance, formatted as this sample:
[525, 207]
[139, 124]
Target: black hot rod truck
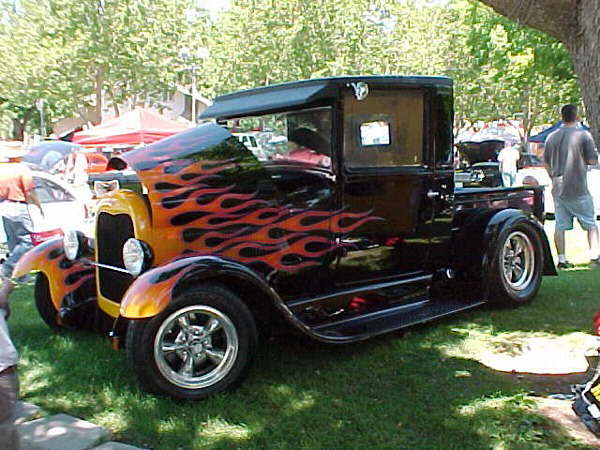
[342, 221]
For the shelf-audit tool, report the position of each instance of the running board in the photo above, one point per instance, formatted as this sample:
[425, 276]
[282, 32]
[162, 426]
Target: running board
[391, 319]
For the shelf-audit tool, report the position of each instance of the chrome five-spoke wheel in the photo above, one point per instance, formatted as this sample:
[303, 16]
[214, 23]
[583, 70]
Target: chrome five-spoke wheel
[518, 260]
[203, 343]
[516, 271]
[196, 347]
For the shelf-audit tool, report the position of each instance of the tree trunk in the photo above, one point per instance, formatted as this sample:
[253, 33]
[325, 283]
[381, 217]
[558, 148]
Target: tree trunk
[585, 49]
[576, 24]
[18, 131]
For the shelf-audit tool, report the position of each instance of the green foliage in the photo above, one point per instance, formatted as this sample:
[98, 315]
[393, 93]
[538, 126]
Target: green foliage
[501, 69]
[263, 42]
[68, 52]
[512, 70]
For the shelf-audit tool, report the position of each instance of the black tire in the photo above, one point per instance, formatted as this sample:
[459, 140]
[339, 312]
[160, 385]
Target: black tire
[43, 302]
[517, 266]
[219, 360]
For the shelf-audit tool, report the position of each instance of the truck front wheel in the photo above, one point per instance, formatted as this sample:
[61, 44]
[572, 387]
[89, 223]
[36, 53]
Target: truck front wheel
[517, 266]
[203, 343]
[43, 301]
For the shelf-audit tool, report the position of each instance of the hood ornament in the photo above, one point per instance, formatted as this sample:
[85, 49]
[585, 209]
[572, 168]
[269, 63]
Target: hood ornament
[361, 90]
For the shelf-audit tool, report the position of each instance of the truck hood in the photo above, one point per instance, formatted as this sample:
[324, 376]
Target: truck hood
[482, 151]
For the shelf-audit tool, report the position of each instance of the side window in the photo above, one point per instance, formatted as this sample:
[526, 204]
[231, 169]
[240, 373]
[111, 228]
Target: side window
[297, 137]
[384, 130]
[58, 193]
[42, 191]
[443, 120]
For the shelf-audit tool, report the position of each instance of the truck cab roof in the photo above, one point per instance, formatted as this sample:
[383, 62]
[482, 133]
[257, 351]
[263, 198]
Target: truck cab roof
[279, 97]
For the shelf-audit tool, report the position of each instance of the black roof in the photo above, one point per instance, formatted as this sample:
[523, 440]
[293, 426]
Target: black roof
[279, 97]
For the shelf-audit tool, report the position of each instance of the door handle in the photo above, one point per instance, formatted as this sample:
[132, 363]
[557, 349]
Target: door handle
[432, 194]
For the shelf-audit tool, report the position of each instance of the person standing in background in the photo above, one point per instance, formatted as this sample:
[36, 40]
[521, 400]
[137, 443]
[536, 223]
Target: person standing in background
[569, 150]
[76, 173]
[508, 158]
[16, 192]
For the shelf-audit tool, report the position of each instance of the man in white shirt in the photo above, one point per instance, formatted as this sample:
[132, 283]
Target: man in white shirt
[9, 384]
[508, 158]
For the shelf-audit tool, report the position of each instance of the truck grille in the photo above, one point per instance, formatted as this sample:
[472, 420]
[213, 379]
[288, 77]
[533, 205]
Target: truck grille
[111, 233]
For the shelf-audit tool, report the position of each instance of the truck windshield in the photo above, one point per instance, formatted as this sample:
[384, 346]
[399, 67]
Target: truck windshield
[302, 137]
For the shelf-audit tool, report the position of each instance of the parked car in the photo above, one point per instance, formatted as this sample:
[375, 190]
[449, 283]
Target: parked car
[63, 210]
[252, 141]
[481, 174]
[528, 160]
[478, 164]
[49, 156]
[225, 244]
[96, 162]
[536, 175]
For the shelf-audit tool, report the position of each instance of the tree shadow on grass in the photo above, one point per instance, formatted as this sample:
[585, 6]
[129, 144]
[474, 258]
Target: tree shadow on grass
[563, 305]
[389, 392]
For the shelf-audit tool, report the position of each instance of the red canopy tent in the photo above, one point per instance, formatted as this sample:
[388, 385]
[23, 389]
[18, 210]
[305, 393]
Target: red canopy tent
[139, 126]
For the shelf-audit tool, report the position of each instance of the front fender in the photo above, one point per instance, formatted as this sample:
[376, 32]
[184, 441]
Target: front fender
[153, 291]
[64, 276]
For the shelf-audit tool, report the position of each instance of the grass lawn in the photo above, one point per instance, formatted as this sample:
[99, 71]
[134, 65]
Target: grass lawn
[418, 390]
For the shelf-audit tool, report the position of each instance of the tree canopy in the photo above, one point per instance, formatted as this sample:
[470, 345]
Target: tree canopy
[77, 54]
[74, 54]
[575, 24]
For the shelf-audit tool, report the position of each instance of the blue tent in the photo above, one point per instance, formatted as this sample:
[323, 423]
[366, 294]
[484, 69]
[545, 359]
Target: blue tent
[541, 137]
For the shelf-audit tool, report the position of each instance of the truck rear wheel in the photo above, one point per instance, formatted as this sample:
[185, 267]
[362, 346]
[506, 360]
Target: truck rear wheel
[43, 301]
[517, 266]
[202, 344]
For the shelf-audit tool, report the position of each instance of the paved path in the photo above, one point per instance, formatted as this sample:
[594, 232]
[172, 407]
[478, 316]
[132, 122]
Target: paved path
[61, 432]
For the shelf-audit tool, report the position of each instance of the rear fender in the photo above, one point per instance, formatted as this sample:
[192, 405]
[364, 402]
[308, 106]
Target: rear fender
[479, 233]
[64, 276]
[505, 219]
[153, 291]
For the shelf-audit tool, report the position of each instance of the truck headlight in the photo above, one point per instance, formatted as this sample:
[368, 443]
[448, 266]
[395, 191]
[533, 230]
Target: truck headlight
[75, 244]
[137, 256]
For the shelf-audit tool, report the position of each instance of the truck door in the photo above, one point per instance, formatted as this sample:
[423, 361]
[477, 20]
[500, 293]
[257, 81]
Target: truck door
[385, 174]
[442, 189]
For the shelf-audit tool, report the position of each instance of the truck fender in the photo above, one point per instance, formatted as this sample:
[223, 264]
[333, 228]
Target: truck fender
[64, 276]
[507, 218]
[154, 290]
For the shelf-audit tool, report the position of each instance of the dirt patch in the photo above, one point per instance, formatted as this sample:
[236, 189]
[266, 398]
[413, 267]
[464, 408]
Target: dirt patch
[545, 385]
[540, 355]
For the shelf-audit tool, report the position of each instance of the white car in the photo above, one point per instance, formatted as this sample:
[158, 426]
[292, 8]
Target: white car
[539, 176]
[63, 210]
[593, 179]
[254, 141]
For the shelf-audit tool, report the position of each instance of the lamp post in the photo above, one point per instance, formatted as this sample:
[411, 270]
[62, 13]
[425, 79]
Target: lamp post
[186, 55]
[40, 106]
